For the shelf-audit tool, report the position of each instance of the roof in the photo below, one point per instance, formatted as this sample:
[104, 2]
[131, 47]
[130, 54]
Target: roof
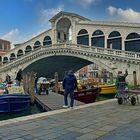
[69, 14]
[2, 40]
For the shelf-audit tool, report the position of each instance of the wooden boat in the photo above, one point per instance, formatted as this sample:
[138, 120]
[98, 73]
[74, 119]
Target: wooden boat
[107, 89]
[14, 101]
[85, 95]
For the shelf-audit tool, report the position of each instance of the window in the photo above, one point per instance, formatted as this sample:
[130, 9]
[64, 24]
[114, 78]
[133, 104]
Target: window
[97, 39]
[83, 37]
[114, 40]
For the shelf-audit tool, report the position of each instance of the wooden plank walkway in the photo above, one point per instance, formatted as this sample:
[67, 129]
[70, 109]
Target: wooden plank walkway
[53, 101]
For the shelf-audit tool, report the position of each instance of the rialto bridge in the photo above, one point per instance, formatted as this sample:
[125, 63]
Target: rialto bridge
[75, 41]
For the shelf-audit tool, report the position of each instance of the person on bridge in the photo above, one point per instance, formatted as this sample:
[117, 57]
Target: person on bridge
[19, 77]
[69, 85]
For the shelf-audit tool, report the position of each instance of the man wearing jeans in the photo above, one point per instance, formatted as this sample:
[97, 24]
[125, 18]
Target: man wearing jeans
[121, 81]
[69, 84]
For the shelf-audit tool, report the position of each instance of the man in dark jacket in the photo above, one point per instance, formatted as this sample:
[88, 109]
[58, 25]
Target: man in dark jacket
[18, 77]
[8, 79]
[69, 84]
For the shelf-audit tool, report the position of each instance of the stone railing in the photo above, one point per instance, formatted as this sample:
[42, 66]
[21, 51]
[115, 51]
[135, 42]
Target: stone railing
[105, 51]
[80, 48]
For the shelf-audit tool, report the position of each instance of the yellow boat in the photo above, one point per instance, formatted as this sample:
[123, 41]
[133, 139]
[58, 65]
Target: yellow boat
[108, 89]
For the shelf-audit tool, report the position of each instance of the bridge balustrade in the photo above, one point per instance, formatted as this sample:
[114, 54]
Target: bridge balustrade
[119, 53]
[110, 52]
[99, 50]
[137, 55]
[132, 55]
[82, 48]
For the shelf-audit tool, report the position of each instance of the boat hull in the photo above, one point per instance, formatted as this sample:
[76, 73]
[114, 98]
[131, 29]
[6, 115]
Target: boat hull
[107, 89]
[86, 95]
[14, 102]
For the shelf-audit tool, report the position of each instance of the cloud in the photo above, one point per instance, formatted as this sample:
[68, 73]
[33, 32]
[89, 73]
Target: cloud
[86, 3]
[11, 35]
[46, 14]
[126, 15]
[112, 10]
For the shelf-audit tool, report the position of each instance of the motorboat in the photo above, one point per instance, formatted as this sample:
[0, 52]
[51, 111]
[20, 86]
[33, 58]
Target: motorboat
[85, 95]
[13, 99]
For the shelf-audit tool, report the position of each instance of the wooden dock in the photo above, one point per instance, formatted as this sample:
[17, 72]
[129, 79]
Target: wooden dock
[53, 101]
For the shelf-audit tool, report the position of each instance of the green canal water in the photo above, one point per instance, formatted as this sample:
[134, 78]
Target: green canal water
[33, 109]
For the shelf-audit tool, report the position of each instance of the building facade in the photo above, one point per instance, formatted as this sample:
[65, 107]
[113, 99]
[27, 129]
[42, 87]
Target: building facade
[5, 46]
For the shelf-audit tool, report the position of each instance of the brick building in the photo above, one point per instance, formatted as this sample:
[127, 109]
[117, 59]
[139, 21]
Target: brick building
[5, 46]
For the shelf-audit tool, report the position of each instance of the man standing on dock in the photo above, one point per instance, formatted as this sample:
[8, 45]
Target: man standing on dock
[69, 84]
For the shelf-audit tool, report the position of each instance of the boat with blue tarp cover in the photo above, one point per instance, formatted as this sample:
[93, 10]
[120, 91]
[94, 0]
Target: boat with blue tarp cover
[13, 99]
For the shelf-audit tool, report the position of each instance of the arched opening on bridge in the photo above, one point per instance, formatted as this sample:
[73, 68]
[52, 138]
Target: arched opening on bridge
[5, 60]
[19, 53]
[132, 42]
[28, 49]
[83, 37]
[49, 65]
[37, 45]
[114, 41]
[12, 56]
[47, 41]
[63, 30]
[97, 39]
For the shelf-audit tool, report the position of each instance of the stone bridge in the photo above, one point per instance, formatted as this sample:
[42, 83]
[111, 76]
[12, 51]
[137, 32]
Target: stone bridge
[76, 57]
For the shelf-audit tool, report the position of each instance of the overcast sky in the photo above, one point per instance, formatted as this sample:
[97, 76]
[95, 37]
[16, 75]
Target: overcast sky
[20, 20]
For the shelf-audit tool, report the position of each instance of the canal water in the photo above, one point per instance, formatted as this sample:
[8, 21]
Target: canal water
[33, 109]
[105, 97]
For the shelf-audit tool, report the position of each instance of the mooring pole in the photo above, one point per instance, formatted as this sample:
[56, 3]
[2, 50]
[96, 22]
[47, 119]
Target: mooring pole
[31, 81]
[56, 82]
[135, 79]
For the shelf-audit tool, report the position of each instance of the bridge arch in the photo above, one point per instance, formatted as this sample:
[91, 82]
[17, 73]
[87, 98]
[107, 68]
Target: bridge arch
[132, 42]
[47, 41]
[28, 49]
[19, 53]
[83, 58]
[37, 44]
[114, 40]
[97, 39]
[12, 56]
[5, 60]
